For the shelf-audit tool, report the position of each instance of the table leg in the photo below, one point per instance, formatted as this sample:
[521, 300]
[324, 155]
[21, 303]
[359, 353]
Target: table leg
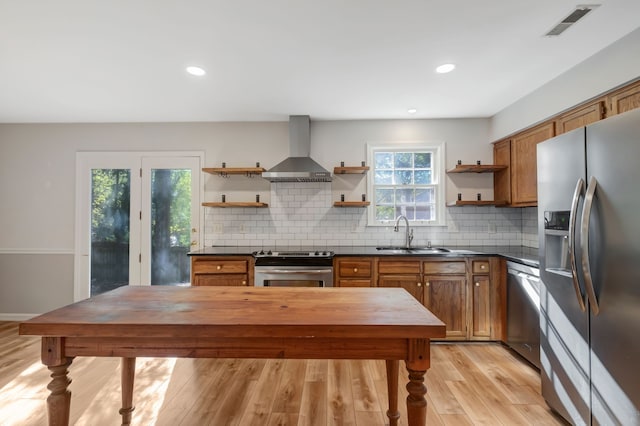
[416, 403]
[392, 391]
[128, 374]
[59, 401]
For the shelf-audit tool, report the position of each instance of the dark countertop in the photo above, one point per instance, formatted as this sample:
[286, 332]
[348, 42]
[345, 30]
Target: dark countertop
[521, 254]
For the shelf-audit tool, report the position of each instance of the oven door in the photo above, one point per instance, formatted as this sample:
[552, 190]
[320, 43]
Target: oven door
[293, 276]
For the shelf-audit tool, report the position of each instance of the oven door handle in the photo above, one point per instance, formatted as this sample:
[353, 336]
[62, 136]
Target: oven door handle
[298, 271]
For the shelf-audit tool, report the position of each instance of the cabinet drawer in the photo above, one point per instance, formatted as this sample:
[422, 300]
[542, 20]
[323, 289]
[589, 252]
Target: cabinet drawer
[219, 266]
[458, 267]
[399, 267]
[353, 283]
[480, 266]
[354, 268]
[220, 280]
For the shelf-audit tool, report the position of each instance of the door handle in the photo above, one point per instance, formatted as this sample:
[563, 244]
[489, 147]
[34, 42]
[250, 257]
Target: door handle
[584, 244]
[572, 243]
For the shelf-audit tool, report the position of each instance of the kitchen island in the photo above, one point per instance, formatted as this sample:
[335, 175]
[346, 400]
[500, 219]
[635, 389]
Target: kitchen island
[239, 322]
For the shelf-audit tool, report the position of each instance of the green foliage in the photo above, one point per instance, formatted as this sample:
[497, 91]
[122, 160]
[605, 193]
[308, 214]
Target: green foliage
[110, 189]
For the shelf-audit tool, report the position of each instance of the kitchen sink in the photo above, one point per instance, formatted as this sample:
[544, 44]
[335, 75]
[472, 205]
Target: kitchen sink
[417, 250]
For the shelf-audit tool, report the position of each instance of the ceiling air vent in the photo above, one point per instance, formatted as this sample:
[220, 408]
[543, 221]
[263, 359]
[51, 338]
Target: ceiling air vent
[577, 14]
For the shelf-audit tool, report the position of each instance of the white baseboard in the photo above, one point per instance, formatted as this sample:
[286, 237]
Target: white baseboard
[16, 317]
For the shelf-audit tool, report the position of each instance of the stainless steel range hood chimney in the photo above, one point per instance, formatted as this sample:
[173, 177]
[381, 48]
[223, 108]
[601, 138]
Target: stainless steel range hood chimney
[298, 167]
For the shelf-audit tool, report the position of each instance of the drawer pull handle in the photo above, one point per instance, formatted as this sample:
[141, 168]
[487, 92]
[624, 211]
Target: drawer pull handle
[218, 267]
[244, 282]
[482, 266]
[477, 284]
[419, 284]
[355, 269]
[427, 283]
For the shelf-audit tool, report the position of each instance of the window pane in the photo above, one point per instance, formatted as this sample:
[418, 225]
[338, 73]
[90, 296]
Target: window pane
[425, 195]
[422, 177]
[384, 196]
[422, 160]
[403, 177]
[407, 211]
[170, 226]
[405, 196]
[110, 197]
[403, 160]
[384, 160]
[385, 213]
[383, 177]
[425, 212]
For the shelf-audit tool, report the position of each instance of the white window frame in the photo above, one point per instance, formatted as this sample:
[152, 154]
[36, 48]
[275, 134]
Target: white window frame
[437, 148]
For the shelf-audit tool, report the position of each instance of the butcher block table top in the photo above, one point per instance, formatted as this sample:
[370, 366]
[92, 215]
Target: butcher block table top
[239, 322]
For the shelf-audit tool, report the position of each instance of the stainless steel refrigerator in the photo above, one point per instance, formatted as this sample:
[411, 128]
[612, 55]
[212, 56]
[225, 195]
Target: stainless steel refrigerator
[589, 228]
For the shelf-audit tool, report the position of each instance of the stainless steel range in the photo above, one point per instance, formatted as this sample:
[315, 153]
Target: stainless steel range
[289, 268]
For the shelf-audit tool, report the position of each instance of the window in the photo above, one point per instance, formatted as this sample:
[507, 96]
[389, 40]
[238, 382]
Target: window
[407, 179]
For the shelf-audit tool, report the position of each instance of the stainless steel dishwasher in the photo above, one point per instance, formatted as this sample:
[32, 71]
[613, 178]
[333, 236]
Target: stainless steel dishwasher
[523, 311]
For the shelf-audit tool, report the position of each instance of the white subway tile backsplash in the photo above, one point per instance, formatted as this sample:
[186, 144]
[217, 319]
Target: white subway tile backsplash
[302, 214]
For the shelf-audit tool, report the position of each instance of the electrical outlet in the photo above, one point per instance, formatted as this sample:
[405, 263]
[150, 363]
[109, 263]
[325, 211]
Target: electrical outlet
[491, 228]
[217, 228]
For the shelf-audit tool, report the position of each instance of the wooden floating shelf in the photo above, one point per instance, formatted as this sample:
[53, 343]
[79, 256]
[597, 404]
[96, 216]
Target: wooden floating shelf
[351, 203]
[350, 170]
[224, 171]
[477, 203]
[236, 204]
[475, 168]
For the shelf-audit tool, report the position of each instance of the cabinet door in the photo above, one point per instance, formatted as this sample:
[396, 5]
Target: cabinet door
[411, 283]
[446, 298]
[580, 117]
[524, 165]
[220, 280]
[481, 307]
[625, 99]
[502, 178]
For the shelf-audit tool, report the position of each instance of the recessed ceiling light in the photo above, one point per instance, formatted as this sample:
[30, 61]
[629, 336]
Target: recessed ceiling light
[445, 68]
[412, 110]
[197, 71]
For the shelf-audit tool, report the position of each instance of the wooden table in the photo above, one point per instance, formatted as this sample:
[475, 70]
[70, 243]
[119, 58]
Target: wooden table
[239, 322]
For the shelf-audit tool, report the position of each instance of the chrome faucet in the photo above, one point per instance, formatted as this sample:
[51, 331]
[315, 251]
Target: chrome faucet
[408, 237]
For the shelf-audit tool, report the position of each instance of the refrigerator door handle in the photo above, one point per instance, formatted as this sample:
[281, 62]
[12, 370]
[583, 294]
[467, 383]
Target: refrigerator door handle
[584, 244]
[572, 242]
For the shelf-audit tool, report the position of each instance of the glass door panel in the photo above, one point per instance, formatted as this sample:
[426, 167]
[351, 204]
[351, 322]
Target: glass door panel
[110, 229]
[170, 226]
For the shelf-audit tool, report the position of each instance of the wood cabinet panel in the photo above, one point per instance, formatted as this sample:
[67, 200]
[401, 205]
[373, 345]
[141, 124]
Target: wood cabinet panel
[580, 117]
[624, 99]
[444, 267]
[354, 267]
[524, 165]
[399, 266]
[446, 297]
[502, 178]
[349, 282]
[220, 280]
[481, 307]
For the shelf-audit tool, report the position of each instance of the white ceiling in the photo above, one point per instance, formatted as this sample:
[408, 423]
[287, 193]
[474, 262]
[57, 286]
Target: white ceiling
[124, 60]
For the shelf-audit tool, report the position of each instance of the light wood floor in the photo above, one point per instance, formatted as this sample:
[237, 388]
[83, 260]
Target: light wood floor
[468, 384]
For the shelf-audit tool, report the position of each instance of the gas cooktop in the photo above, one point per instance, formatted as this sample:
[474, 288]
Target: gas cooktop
[288, 253]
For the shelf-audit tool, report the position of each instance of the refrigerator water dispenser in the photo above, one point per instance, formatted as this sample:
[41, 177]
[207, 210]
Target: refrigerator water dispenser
[556, 234]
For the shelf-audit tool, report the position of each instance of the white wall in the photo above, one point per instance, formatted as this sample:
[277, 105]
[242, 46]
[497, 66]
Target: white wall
[607, 69]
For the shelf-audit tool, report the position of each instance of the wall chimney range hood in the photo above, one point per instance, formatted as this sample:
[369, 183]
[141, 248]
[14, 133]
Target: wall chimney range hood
[298, 167]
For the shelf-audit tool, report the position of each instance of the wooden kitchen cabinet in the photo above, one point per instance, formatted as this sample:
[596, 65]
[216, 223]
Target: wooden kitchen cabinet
[445, 294]
[401, 272]
[520, 187]
[221, 270]
[624, 99]
[580, 117]
[481, 320]
[353, 272]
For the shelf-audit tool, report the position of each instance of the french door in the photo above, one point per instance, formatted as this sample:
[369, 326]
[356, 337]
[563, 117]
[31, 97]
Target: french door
[138, 214]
